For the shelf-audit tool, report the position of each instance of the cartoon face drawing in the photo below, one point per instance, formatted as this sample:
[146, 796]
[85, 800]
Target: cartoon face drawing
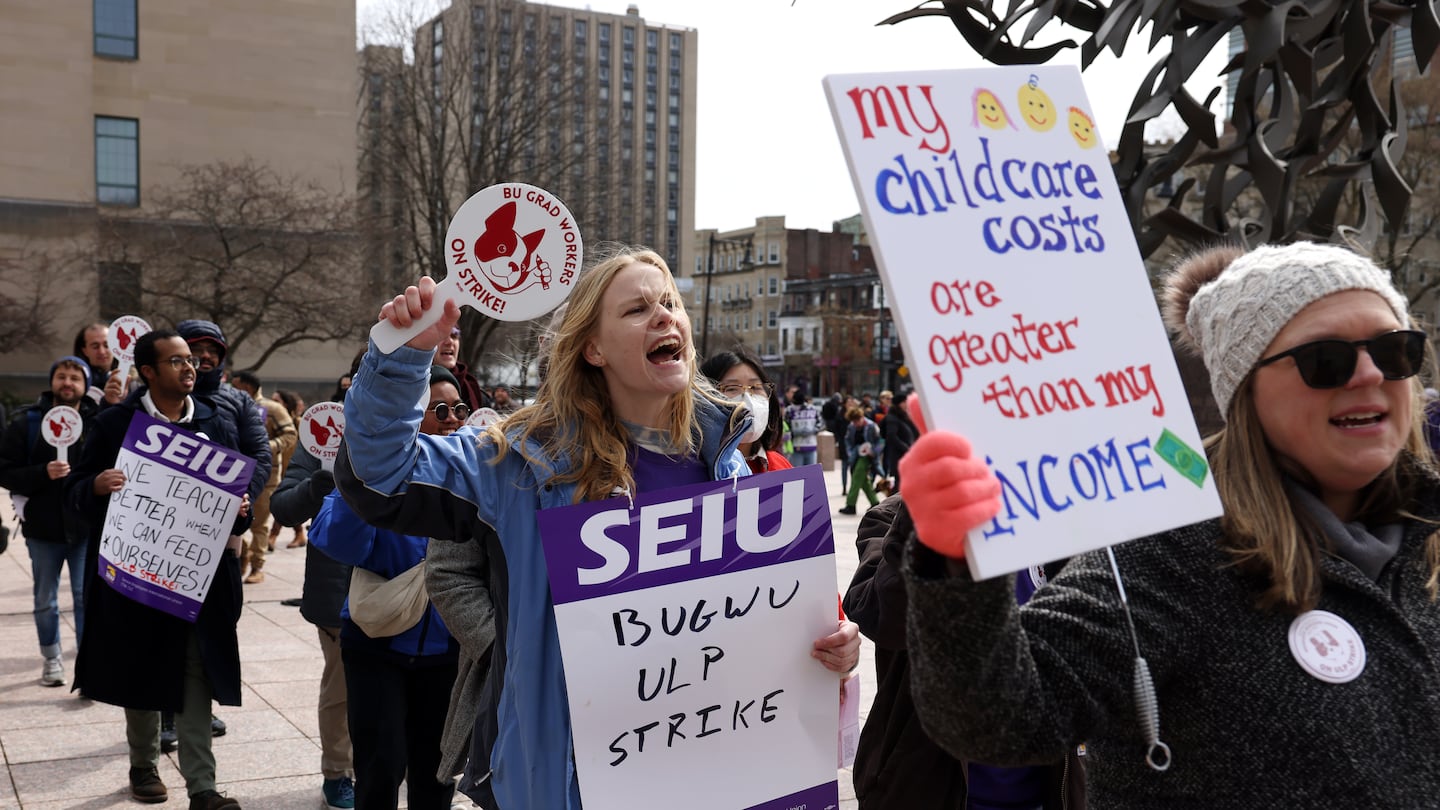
[989, 112]
[1036, 108]
[1082, 128]
[508, 258]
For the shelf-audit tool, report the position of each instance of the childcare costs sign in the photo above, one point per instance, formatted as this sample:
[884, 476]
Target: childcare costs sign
[166, 528]
[1026, 313]
[686, 622]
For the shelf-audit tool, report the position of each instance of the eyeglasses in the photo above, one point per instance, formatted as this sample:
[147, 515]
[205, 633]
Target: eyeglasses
[442, 411]
[1331, 363]
[177, 362]
[736, 390]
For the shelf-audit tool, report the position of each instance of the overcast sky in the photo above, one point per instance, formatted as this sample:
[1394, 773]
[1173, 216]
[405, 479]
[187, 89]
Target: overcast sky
[766, 144]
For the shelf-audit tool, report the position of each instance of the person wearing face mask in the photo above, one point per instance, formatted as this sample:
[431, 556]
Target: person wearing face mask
[398, 686]
[739, 377]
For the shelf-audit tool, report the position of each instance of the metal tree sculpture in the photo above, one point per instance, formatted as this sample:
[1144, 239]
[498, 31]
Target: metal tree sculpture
[1305, 108]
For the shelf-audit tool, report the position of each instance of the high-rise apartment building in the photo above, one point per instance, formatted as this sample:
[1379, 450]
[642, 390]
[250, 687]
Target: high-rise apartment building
[597, 108]
[104, 100]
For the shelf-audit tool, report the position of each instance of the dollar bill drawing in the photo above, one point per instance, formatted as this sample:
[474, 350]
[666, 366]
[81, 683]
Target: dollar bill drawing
[1179, 455]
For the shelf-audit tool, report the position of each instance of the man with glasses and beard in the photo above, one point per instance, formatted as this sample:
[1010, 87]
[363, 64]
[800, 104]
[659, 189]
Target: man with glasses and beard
[136, 656]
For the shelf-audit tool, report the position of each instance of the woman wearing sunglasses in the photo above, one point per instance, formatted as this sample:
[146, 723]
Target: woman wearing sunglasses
[398, 680]
[621, 411]
[1294, 642]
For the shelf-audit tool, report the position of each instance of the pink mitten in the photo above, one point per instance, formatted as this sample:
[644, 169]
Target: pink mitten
[947, 490]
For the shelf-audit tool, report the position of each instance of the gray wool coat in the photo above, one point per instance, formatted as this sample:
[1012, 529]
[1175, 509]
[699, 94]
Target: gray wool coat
[457, 579]
[1247, 727]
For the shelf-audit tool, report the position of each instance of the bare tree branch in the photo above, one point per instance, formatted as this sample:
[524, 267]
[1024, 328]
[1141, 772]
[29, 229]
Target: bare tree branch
[270, 259]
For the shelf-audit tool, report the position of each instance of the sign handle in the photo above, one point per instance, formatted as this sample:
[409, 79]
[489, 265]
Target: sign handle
[389, 337]
[62, 455]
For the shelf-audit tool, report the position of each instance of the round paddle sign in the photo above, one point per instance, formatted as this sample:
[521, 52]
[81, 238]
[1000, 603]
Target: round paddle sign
[61, 427]
[513, 252]
[124, 331]
[321, 429]
[483, 418]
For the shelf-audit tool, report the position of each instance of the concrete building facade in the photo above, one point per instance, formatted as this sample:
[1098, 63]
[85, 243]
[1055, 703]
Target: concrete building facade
[103, 100]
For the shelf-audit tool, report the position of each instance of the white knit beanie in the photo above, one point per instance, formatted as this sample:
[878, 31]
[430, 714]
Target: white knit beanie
[1233, 318]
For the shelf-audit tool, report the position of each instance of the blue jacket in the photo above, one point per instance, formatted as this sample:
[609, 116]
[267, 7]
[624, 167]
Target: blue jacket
[344, 537]
[445, 487]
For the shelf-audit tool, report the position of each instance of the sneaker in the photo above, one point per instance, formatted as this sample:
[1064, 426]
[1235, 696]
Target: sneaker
[339, 793]
[255, 577]
[54, 672]
[169, 740]
[846, 510]
[217, 726]
[146, 787]
[210, 800]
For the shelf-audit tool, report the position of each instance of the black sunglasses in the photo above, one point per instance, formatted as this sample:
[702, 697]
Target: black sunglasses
[442, 411]
[1331, 363]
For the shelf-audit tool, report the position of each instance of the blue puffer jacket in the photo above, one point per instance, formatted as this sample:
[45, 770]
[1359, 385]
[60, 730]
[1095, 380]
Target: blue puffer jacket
[342, 535]
[445, 487]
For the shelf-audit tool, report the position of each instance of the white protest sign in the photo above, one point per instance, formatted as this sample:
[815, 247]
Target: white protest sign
[513, 253]
[321, 428]
[61, 427]
[483, 418]
[686, 622]
[124, 331]
[1027, 316]
[166, 528]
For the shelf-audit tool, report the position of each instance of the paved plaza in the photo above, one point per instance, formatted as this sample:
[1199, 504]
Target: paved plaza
[64, 752]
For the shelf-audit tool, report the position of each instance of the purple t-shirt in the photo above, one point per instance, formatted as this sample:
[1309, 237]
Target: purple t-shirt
[655, 471]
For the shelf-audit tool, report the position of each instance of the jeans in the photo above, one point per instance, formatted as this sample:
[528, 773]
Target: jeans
[800, 458]
[46, 560]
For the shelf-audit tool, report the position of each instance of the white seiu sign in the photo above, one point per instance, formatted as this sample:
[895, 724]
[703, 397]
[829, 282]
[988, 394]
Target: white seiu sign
[686, 622]
[1027, 316]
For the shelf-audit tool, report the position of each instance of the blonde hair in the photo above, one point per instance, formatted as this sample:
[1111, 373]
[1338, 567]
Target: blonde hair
[572, 418]
[1266, 534]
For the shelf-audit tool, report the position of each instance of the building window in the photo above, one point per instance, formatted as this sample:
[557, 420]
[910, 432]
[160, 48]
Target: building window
[116, 29]
[117, 161]
[774, 285]
[119, 289]
[774, 317]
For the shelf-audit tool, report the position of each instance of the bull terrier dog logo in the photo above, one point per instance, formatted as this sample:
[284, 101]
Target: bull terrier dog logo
[509, 259]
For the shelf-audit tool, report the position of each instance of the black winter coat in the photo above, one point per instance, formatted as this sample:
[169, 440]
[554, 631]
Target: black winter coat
[133, 655]
[897, 765]
[899, 432]
[22, 472]
[297, 499]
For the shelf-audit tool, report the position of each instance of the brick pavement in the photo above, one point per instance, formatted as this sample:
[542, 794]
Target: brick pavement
[61, 751]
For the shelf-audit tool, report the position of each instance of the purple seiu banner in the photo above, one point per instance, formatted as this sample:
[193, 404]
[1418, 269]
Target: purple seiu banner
[165, 530]
[685, 533]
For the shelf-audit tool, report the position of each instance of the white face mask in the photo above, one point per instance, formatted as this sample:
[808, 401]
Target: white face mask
[760, 413]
